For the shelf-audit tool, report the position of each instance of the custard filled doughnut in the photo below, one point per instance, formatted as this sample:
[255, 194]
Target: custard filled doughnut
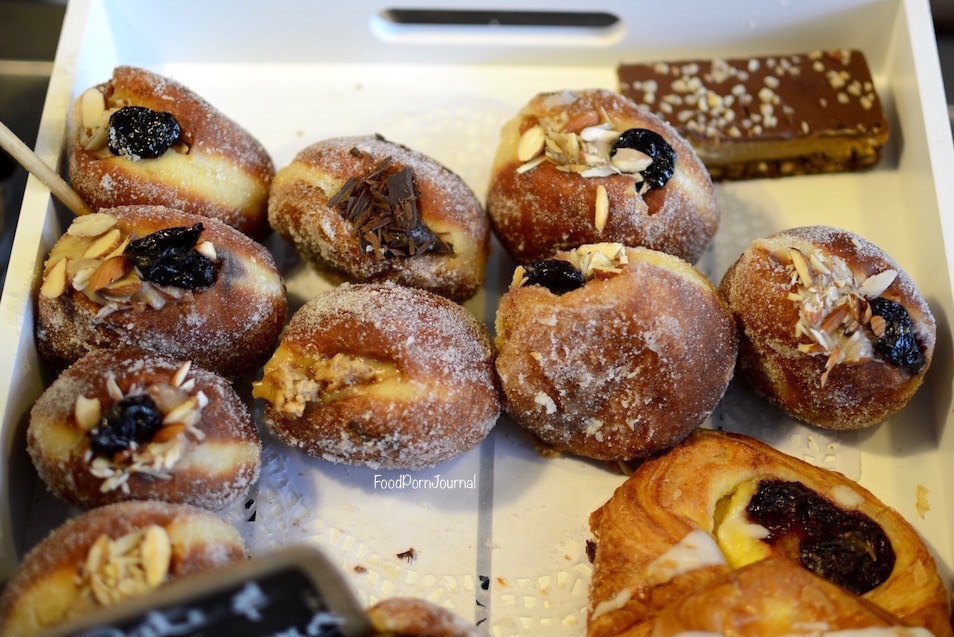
[160, 279]
[110, 554]
[381, 375]
[126, 424]
[719, 502]
[831, 329]
[140, 138]
[373, 210]
[611, 352]
[409, 617]
[577, 167]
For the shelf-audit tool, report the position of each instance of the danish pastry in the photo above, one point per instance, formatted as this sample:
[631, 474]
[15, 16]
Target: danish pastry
[123, 424]
[111, 554]
[373, 210]
[718, 502]
[831, 329]
[381, 375]
[143, 139]
[174, 283]
[576, 167]
[611, 352]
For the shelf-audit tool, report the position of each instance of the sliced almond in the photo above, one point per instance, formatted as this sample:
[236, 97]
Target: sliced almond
[55, 282]
[120, 249]
[110, 270]
[87, 412]
[126, 285]
[156, 554]
[875, 285]
[530, 165]
[581, 121]
[602, 208]
[97, 140]
[206, 249]
[167, 433]
[801, 266]
[878, 325]
[181, 412]
[104, 244]
[91, 225]
[180, 375]
[92, 107]
[531, 143]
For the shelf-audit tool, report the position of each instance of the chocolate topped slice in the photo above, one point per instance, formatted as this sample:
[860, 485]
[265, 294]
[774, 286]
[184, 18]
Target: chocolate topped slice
[768, 116]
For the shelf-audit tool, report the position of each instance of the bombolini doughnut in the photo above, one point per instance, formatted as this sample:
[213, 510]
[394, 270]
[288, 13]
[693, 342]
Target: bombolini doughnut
[110, 554]
[831, 329]
[373, 210]
[381, 375]
[126, 424]
[140, 138]
[410, 616]
[160, 279]
[611, 352]
[576, 167]
[718, 503]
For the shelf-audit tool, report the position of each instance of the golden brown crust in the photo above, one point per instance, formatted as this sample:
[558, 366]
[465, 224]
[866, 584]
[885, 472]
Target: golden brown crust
[410, 617]
[438, 399]
[621, 368]
[854, 394]
[299, 212]
[225, 174]
[772, 597]
[216, 466]
[537, 212]
[229, 328]
[670, 496]
[44, 586]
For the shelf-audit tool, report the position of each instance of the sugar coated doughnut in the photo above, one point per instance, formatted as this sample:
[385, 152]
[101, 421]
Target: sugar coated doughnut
[576, 167]
[374, 210]
[831, 329]
[141, 138]
[381, 375]
[122, 424]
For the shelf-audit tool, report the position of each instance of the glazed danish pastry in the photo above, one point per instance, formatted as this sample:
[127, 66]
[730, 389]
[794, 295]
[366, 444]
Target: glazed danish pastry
[170, 282]
[110, 554]
[831, 329]
[611, 352]
[576, 167]
[381, 375]
[143, 139]
[126, 424]
[719, 502]
[374, 210]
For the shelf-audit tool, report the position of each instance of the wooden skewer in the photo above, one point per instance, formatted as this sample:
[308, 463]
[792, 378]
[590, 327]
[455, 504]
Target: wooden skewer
[32, 162]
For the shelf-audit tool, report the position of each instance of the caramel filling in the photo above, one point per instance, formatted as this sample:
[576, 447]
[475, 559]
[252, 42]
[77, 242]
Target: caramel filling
[292, 380]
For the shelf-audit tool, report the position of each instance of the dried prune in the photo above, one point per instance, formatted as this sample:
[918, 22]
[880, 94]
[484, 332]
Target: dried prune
[845, 547]
[555, 275]
[652, 143]
[898, 343]
[134, 419]
[137, 132]
[169, 257]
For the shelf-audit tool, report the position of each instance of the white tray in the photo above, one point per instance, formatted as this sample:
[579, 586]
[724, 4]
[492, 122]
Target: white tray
[506, 545]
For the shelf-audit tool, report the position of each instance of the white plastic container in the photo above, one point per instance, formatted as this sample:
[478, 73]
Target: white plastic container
[499, 534]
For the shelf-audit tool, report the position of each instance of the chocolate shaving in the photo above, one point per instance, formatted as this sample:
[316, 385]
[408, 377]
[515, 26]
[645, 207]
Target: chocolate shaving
[382, 205]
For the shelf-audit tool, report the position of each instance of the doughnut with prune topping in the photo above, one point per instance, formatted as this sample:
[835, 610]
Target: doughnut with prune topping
[831, 329]
[160, 279]
[126, 424]
[143, 139]
[611, 352]
[720, 502]
[576, 167]
[381, 375]
[111, 554]
[373, 210]
[409, 616]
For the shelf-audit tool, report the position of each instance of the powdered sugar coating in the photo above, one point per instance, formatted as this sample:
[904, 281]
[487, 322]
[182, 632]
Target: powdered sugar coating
[225, 173]
[229, 328]
[213, 472]
[757, 288]
[299, 212]
[540, 211]
[44, 585]
[443, 402]
[622, 367]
